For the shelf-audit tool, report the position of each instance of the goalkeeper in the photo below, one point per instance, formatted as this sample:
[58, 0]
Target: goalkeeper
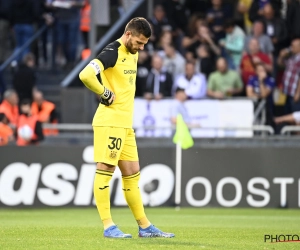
[112, 75]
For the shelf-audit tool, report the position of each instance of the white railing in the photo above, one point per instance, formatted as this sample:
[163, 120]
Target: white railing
[88, 127]
[289, 129]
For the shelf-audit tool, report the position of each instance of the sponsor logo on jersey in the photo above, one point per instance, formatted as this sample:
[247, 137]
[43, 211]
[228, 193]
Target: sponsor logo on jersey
[130, 71]
[124, 60]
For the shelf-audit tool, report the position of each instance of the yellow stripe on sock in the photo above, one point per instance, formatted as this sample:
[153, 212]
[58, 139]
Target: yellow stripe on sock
[103, 172]
[131, 176]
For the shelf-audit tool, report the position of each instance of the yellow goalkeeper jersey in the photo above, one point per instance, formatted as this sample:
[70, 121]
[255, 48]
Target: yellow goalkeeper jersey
[118, 69]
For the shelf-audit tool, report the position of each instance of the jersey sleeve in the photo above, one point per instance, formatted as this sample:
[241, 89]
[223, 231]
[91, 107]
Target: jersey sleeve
[109, 55]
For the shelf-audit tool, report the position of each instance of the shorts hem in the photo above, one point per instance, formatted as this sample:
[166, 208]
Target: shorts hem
[106, 162]
[128, 159]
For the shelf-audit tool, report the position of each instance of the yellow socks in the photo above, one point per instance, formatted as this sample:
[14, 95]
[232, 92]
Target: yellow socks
[134, 199]
[102, 196]
[131, 192]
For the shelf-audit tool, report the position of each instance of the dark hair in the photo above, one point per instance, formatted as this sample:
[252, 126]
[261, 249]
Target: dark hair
[172, 45]
[230, 23]
[178, 89]
[259, 64]
[259, 21]
[189, 62]
[139, 25]
[25, 102]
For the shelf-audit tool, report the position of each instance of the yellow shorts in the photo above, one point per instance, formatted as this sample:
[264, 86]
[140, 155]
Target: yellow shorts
[112, 144]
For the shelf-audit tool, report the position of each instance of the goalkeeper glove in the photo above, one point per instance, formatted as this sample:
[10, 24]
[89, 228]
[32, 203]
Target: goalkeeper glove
[107, 97]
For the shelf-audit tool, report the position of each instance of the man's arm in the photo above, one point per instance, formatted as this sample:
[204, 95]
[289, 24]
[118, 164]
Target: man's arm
[106, 59]
[89, 77]
[250, 93]
[215, 94]
[282, 55]
[290, 118]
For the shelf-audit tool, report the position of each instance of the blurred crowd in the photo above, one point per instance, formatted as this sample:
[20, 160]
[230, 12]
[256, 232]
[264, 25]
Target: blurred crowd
[203, 48]
[199, 49]
[21, 119]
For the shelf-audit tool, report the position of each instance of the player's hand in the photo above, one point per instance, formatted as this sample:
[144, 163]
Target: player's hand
[107, 97]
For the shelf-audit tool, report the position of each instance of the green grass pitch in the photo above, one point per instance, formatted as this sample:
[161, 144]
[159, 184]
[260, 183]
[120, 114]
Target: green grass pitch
[205, 228]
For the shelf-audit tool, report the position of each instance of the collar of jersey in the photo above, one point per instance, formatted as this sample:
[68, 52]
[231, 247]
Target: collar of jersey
[123, 47]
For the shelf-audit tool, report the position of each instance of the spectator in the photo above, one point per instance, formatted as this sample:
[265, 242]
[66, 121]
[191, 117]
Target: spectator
[45, 111]
[275, 29]
[29, 128]
[261, 86]
[216, 16]
[164, 40]
[194, 22]
[205, 63]
[173, 61]
[265, 43]
[293, 19]
[178, 107]
[159, 82]
[204, 36]
[291, 80]
[24, 79]
[243, 8]
[6, 133]
[9, 106]
[23, 15]
[143, 68]
[193, 83]
[85, 22]
[249, 60]
[45, 18]
[67, 22]
[256, 9]
[224, 82]
[159, 23]
[233, 44]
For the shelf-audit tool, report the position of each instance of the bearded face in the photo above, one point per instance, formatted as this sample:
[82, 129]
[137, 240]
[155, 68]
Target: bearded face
[135, 43]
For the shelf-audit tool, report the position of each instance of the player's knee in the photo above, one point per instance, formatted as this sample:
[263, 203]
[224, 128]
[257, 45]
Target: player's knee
[105, 167]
